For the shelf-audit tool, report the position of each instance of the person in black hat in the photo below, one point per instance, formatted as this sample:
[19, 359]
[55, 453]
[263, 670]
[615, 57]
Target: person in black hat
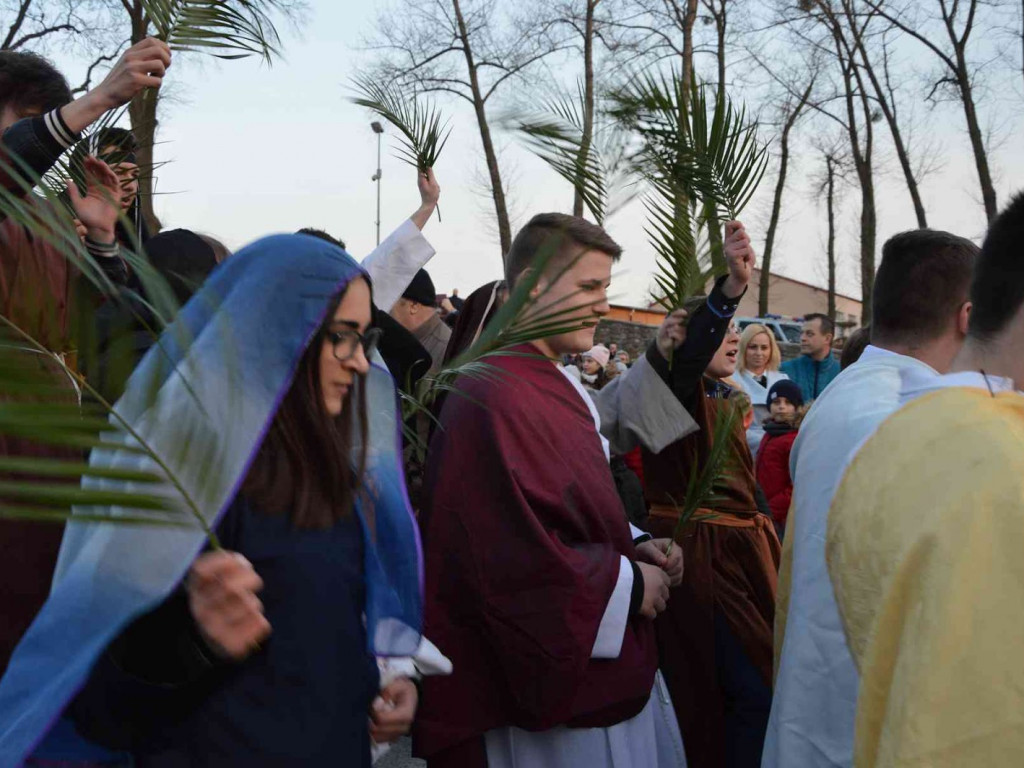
[786, 405]
[417, 312]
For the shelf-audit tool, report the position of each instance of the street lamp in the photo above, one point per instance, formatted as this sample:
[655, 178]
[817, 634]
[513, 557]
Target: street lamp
[379, 130]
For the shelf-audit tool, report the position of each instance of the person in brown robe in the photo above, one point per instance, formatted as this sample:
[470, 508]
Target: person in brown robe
[715, 638]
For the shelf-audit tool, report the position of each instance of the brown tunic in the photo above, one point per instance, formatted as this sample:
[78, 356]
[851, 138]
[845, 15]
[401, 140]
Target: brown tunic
[731, 566]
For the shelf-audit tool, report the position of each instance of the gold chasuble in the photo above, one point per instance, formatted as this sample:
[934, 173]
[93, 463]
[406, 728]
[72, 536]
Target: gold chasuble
[926, 554]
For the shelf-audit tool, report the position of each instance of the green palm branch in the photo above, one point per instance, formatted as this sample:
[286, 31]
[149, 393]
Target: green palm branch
[225, 29]
[36, 408]
[703, 480]
[700, 164]
[596, 167]
[423, 134]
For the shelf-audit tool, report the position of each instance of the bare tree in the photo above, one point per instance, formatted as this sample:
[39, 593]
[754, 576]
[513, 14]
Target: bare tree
[468, 49]
[884, 94]
[827, 184]
[31, 22]
[42, 25]
[650, 31]
[957, 21]
[580, 16]
[819, 29]
[718, 11]
[791, 110]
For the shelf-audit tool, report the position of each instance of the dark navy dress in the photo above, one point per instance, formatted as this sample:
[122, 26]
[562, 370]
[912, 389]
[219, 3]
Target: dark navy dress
[301, 700]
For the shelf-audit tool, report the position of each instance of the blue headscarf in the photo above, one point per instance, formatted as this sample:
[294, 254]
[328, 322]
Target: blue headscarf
[204, 398]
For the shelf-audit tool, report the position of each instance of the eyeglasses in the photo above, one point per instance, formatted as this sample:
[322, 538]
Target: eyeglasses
[346, 342]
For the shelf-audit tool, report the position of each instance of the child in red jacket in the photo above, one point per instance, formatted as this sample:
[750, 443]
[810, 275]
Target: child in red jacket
[785, 403]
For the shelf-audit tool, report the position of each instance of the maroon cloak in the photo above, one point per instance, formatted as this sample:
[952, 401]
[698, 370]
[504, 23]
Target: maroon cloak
[523, 535]
[37, 292]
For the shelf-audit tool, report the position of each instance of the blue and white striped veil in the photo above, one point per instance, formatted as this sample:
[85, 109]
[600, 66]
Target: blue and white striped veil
[204, 399]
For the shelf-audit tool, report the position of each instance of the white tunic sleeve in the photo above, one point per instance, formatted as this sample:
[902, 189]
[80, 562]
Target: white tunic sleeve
[612, 630]
[395, 262]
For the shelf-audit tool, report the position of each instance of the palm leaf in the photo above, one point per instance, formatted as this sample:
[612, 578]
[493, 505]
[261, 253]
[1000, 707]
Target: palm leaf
[225, 29]
[700, 163]
[422, 133]
[35, 409]
[593, 166]
[702, 483]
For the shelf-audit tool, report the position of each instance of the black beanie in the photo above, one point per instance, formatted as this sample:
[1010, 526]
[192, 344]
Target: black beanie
[787, 389]
[421, 290]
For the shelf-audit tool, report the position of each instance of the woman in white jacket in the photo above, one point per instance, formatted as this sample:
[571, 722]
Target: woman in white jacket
[758, 369]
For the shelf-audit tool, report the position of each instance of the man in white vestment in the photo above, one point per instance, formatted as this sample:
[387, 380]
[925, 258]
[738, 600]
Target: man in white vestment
[919, 322]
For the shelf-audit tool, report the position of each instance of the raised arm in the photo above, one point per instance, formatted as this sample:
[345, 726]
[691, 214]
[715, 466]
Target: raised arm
[708, 325]
[37, 142]
[393, 264]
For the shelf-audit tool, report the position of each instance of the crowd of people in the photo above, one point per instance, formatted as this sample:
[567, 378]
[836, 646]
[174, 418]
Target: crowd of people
[528, 594]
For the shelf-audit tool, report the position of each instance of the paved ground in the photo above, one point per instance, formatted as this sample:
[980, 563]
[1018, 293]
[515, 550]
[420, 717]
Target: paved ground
[399, 757]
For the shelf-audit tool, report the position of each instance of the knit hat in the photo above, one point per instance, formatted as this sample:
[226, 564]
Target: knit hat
[787, 389]
[421, 290]
[599, 353]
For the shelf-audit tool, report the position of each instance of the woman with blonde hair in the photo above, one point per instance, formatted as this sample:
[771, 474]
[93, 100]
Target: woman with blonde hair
[757, 371]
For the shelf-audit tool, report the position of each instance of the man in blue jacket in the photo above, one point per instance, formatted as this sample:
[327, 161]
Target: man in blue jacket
[816, 367]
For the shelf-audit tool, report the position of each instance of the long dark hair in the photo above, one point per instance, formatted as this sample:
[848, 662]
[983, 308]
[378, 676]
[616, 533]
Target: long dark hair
[305, 467]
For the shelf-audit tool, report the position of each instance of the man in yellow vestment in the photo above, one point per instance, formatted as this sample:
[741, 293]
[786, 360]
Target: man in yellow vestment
[925, 541]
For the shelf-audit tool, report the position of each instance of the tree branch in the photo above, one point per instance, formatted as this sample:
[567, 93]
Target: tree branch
[16, 25]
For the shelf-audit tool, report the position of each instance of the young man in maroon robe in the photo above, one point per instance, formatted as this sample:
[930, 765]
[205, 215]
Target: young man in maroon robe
[533, 586]
[715, 639]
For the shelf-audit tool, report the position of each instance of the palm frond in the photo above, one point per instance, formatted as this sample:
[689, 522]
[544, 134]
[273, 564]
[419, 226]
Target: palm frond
[225, 29]
[700, 164]
[35, 408]
[701, 487]
[556, 134]
[422, 132]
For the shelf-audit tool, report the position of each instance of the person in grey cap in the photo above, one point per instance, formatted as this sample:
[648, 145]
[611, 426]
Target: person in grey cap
[417, 312]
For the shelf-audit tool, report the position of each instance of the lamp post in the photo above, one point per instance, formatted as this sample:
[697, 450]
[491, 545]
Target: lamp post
[379, 130]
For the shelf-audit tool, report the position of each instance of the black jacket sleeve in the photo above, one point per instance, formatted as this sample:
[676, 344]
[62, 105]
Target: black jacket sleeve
[156, 668]
[704, 333]
[30, 148]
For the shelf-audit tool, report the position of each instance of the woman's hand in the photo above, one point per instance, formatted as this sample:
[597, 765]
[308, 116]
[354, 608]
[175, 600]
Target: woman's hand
[392, 713]
[222, 589]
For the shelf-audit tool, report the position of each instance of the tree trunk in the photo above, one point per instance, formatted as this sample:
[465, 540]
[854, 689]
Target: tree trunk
[688, 21]
[830, 169]
[497, 190]
[780, 185]
[888, 110]
[862, 160]
[988, 191]
[588, 108]
[142, 113]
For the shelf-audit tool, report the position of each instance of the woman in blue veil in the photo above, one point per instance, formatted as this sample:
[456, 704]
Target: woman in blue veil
[274, 420]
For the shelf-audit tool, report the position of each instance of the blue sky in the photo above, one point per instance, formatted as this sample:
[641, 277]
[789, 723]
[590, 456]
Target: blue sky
[252, 150]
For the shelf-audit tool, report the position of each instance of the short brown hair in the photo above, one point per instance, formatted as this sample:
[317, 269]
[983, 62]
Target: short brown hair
[571, 235]
[922, 282]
